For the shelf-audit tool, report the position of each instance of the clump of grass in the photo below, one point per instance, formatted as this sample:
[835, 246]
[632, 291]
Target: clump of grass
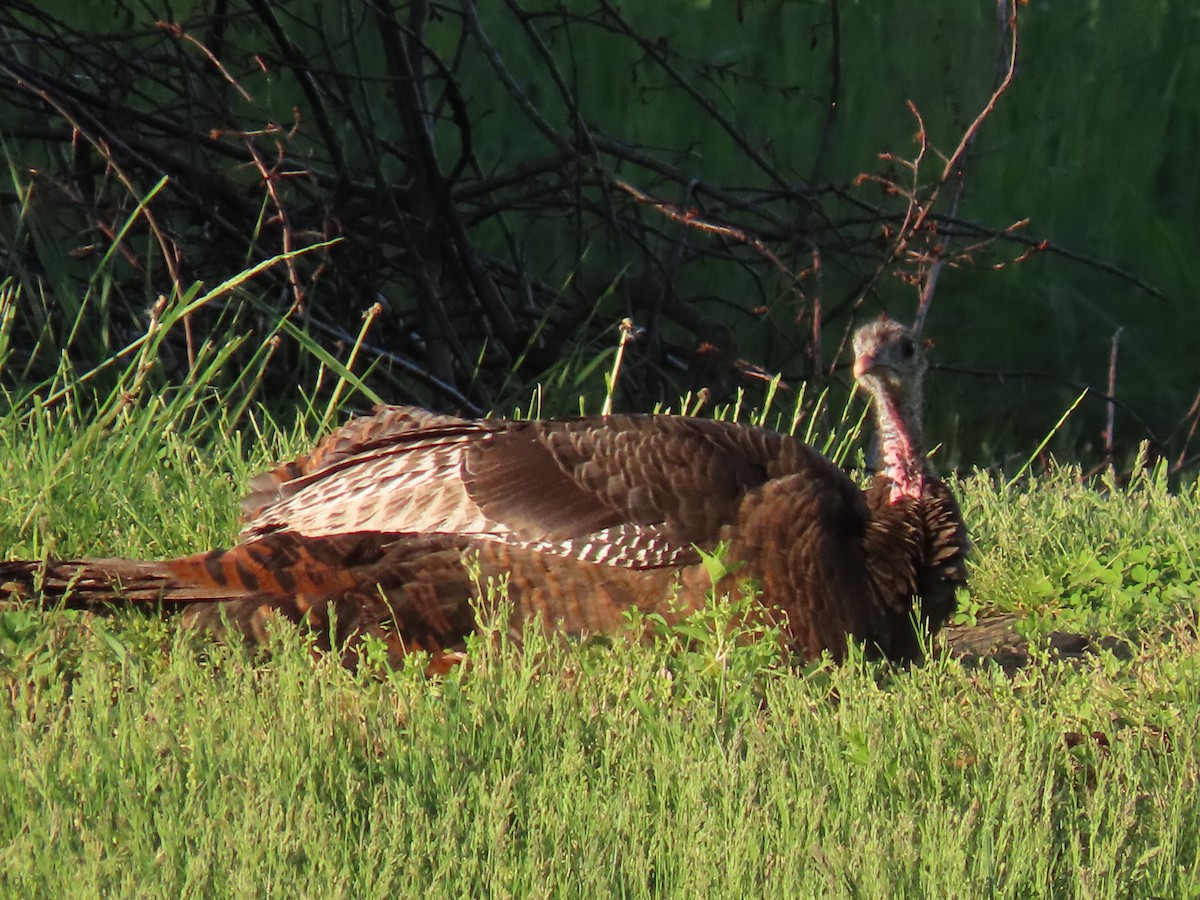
[1079, 555]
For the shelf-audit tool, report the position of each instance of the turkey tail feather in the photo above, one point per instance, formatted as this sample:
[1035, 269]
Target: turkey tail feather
[271, 568]
[88, 583]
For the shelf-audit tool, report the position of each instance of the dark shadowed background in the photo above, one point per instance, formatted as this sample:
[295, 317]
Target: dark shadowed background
[509, 181]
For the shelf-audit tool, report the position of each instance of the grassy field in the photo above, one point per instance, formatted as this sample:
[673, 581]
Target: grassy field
[136, 760]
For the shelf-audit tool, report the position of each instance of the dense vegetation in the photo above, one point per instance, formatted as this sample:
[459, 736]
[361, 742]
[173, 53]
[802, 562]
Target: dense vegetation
[552, 131]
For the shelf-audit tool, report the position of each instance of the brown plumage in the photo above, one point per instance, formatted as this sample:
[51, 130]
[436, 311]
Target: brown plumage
[585, 517]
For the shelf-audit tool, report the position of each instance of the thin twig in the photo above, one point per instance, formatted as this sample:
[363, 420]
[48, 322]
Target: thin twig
[176, 30]
[690, 219]
[1014, 374]
[653, 52]
[825, 144]
[1112, 393]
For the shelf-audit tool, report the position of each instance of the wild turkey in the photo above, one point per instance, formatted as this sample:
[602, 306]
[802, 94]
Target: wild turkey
[585, 517]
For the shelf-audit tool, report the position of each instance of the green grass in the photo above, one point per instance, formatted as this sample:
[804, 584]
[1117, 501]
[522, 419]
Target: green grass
[136, 760]
[591, 771]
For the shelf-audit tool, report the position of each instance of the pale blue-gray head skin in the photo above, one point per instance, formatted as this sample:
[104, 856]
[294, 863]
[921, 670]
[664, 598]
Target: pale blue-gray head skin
[889, 364]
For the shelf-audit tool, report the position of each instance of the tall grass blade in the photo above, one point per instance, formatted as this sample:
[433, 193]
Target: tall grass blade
[1046, 440]
[329, 361]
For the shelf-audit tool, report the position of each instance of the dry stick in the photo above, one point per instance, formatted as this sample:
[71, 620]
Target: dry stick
[835, 91]
[452, 95]
[471, 17]
[285, 227]
[176, 30]
[1112, 395]
[920, 212]
[626, 153]
[406, 52]
[427, 198]
[582, 134]
[691, 220]
[89, 105]
[1005, 82]
[359, 188]
[911, 221]
[1194, 413]
[465, 192]
[935, 270]
[651, 49]
[568, 151]
[297, 62]
[399, 212]
[568, 97]
[1124, 407]
[268, 177]
[99, 104]
[1039, 245]
[1033, 245]
[102, 147]
[956, 165]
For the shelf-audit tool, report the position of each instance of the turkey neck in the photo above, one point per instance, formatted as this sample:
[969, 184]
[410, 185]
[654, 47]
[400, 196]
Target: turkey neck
[898, 418]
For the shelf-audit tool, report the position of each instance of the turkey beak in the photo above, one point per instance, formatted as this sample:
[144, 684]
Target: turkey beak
[863, 365]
